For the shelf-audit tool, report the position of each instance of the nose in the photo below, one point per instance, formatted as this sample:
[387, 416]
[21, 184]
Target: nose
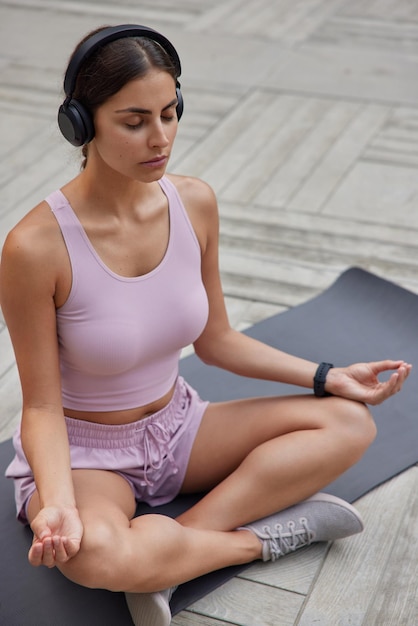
[158, 137]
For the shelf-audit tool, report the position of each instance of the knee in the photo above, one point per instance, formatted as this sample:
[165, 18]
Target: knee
[358, 426]
[126, 558]
[94, 564]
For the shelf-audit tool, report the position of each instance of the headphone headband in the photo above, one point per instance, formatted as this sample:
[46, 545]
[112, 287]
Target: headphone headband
[74, 120]
[111, 33]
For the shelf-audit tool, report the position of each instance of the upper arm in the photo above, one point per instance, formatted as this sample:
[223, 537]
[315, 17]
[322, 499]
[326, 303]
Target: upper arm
[27, 288]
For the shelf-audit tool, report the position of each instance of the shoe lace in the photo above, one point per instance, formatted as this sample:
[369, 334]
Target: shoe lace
[282, 540]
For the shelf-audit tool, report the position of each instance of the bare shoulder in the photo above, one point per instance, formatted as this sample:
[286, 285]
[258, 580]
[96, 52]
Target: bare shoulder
[34, 242]
[35, 227]
[200, 203]
[194, 192]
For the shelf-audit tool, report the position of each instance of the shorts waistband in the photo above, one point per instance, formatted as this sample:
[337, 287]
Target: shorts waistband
[108, 436]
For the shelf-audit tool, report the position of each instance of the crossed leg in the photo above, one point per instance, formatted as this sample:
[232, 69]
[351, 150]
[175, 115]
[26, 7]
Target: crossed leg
[255, 456]
[262, 455]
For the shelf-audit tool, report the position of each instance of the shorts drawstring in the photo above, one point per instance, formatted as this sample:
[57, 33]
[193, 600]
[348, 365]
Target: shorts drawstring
[156, 435]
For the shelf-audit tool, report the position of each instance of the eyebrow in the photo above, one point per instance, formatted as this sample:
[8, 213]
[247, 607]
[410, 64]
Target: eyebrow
[145, 111]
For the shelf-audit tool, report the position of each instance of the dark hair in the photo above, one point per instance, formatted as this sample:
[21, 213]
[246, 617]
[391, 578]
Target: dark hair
[113, 65]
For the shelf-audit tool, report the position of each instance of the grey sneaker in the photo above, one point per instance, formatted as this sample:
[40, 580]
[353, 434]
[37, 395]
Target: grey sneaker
[150, 609]
[321, 517]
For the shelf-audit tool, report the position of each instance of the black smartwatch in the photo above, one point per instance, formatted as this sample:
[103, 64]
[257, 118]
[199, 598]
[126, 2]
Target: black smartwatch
[320, 378]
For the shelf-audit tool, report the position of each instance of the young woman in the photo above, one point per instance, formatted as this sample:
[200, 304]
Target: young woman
[102, 285]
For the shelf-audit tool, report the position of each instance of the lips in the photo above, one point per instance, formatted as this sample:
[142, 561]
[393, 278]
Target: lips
[157, 161]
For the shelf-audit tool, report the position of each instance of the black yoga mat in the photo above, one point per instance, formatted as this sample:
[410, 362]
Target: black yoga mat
[359, 318]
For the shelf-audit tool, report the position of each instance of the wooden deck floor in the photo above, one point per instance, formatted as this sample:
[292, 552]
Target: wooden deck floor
[303, 116]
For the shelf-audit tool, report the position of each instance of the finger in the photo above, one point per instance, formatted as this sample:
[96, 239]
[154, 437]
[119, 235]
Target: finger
[395, 382]
[393, 385]
[408, 368]
[48, 556]
[60, 551]
[384, 390]
[72, 546]
[35, 554]
[404, 372]
[383, 366]
[40, 529]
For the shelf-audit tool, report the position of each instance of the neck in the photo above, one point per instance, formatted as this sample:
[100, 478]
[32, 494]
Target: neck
[111, 191]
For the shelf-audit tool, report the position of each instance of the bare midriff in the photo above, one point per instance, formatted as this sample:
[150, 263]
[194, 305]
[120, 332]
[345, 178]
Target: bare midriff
[125, 416]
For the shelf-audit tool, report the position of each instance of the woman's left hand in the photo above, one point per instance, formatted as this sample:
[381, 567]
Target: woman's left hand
[360, 381]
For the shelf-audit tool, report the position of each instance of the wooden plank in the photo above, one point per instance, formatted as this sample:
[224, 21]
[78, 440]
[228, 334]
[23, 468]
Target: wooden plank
[8, 426]
[376, 33]
[364, 74]
[31, 88]
[397, 140]
[280, 139]
[292, 21]
[245, 313]
[250, 604]
[186, 618]
[350, 577]
[262, 279]
[321, 225]
[7, 357]
[297, 248]
[103, 9]
[279, 20]
[396, 598]
[228, 130]
[296, 572]
[19, 151]
[34, 180]
[215, 15]
[305, 244]
[389, 10]
[10, 402]
[385, 193]
[333, 168]
[239, 164]
[286, 180]
[205, 108]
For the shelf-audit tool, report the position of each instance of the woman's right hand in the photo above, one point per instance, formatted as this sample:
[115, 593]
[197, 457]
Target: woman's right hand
[57, 533]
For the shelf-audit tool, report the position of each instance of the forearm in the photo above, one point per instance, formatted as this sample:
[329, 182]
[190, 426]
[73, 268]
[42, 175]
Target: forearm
[45, 443]
[248, 357]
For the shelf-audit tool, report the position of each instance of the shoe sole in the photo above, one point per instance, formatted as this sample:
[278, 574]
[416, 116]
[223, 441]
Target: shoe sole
[326, 497]
[148, 609]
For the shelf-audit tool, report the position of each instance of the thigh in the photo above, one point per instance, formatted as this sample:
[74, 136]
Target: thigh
[229, 431]
[98, 494]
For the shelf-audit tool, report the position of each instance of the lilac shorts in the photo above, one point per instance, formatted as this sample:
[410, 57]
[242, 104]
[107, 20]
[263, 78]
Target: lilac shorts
[152, 454]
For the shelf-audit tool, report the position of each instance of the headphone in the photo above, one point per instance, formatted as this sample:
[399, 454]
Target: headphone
[74, 120]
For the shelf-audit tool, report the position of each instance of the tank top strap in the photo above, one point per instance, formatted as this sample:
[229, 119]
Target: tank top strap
[60, 206]
[178, 213]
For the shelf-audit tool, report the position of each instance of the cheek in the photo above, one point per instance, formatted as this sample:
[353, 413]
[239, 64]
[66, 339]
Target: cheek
[111, 142]
[129, 150]
[116, 148]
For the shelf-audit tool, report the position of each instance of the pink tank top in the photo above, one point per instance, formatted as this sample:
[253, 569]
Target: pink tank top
[120, 338]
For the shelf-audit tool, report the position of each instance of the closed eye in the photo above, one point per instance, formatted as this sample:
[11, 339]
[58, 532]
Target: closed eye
[134, 126]
[165, 118]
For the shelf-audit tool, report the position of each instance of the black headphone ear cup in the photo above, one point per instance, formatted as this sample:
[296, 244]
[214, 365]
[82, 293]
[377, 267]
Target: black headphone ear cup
[180, 103]
[75, 123]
